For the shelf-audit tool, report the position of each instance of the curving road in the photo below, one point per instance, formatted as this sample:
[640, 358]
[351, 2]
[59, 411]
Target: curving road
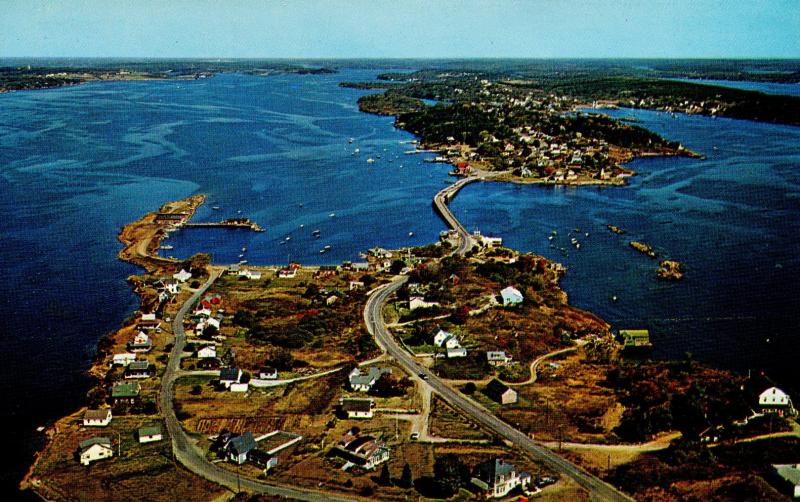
[183, 447]
[440, 201]
[373, 317]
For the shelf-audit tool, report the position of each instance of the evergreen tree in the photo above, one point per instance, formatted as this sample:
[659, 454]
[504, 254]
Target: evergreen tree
[406, 477]
[385, 479]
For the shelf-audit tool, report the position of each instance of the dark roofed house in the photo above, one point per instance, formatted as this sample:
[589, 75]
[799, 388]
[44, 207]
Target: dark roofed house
[240, 446]
[125, 392]
[138, 369]
[97, 418]
[500, 392]
[262, 459]
[357, 408]
[149, 434]
[363, 451]
[228, 376]
[498, 478]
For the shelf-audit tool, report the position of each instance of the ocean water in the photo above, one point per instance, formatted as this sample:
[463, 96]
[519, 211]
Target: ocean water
[78, 163]
[732, 219]
[787, 89]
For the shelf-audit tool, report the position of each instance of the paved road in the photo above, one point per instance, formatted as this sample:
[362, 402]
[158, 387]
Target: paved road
[184, 448]
[598, 490]
[440, 201]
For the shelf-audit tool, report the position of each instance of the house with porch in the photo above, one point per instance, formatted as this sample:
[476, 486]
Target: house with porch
[94, 449]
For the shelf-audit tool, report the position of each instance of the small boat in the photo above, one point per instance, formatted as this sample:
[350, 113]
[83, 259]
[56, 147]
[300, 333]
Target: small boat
[244, 249]
[577, 245]
[350, 140]
[411, 234]
[166, 247]
[241, 256]
[40, 428]
[356, 151]
[586, 234]
[302, 225]
[332, 215]
[324, 250]
[550, 238]
[242, 262]
[315, 232]
[288, 237]
[215, 208]
[282, 243]
[239, 211]
[370, 160]
[614, 298]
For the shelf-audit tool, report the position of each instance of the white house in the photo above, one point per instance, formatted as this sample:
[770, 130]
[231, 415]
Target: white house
[774, 400]
[511, 296]
[363, 382]
[268, 373]
[95, 449]
[790, 473]
[456, 352]
[498, 478]
[229, 376]
[364, 451]
[207, 352]
[287, 273]
[250, 274]
[149, 434]
[97, 418]
[446, 340]
[497, 358]
[124, 359]
[182, 276]
[357, 408]
[140, 343]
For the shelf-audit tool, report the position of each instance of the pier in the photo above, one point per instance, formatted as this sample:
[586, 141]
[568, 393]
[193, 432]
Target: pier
[243, 223]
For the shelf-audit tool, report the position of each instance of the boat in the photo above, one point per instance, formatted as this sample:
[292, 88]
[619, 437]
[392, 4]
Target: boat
[411, 234]
[244, 249]
[356, 151]
[614, 298]
[242, 262]
[166, 247]
[332, 215]
[550, 238]
[350, 140]
[241, 256]
[324, 250]
[315, 232]
[302, 225]
[215, 208]
[282, 242]
[370, 160]
[288, 237]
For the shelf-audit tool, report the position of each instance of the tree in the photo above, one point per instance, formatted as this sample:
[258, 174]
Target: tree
[385, 478]
[469, 388]
[405, 478]
[282, 360]
[397, 266]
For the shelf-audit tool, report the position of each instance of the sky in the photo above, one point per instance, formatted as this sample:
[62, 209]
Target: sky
[399, 29]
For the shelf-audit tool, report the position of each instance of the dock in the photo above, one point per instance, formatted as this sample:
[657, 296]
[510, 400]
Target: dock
[243, 223]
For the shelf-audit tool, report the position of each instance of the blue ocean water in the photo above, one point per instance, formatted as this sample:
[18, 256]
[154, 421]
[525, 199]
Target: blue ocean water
[732, 219]
[78, 163]
[787, 89]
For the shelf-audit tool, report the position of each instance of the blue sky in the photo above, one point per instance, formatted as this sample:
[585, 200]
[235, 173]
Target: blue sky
[383, 29]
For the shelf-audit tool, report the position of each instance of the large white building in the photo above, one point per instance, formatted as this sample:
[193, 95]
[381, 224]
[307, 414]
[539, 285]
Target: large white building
[774, 400]
[95, 449]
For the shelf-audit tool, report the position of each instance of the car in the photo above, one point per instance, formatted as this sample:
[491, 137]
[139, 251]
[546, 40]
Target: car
[423, 376]
[415, 435]
[545, 481]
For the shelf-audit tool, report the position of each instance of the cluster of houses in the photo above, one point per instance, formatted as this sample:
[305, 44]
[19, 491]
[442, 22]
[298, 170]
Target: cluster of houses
[449, 343]
[100, 447]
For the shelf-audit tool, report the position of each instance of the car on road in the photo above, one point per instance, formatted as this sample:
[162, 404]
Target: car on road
[423, 376]
[545, 481]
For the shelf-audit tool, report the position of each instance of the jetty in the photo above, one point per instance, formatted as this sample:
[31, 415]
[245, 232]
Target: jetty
[244, 223]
